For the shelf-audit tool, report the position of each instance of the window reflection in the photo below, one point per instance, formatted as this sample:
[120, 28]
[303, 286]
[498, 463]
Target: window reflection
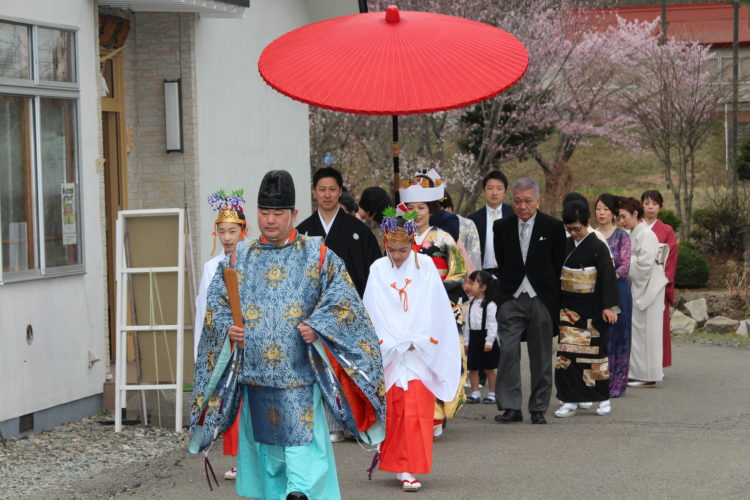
[15, 56]
[16, 182]
[58, 144]
[56, 55]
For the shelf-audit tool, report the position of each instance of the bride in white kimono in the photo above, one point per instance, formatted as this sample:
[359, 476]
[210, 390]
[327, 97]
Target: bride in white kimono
[647, 284]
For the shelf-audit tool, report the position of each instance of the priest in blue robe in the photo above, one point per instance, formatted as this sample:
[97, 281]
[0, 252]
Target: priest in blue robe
[308, 341]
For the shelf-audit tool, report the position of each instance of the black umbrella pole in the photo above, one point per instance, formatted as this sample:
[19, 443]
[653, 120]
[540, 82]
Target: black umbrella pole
[396, 174]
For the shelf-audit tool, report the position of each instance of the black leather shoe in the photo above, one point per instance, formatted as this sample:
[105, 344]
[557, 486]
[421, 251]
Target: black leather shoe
[537, 417]
[509, 416]
[296, 495]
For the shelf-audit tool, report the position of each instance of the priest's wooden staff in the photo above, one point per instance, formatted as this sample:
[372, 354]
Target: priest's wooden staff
[233, 291]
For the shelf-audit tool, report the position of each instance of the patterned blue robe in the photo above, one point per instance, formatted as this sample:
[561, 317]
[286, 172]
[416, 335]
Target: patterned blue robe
[281, 286]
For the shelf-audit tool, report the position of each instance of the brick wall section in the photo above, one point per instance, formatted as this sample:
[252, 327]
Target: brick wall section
[102, 203]
[161, 47]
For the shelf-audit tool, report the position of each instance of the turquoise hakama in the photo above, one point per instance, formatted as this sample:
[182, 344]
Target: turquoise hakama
[272, 472]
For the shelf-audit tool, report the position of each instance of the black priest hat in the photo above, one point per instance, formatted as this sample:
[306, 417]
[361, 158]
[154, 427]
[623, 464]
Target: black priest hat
[276, 191]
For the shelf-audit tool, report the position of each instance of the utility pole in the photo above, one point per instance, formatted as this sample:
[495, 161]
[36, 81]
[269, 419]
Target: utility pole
[663, 21]
[735, 94]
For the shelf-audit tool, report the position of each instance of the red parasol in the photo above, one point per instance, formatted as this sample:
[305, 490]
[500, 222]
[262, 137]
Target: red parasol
[398, 64]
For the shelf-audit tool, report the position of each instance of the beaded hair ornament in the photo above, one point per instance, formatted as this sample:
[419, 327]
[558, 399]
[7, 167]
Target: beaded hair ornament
[229, 208]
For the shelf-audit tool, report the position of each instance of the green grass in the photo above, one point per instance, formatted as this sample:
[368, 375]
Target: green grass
[601, 167]
[699, 337]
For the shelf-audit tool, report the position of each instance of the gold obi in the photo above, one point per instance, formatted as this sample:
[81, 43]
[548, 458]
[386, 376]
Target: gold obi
[578, 280]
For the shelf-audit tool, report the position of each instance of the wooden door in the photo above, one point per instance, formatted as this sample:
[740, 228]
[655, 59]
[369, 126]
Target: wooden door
[114, 137]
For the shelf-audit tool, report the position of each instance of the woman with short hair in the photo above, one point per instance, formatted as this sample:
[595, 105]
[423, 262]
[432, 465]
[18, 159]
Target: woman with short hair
[647, 284]
[589, 303]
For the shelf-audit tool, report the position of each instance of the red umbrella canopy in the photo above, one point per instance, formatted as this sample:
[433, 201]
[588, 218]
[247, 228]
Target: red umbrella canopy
[393, 63]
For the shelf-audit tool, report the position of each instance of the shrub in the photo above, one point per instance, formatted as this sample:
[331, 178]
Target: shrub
[669, 217]
[742, 162]
[692, 268]
[738, 282]
[720, 228]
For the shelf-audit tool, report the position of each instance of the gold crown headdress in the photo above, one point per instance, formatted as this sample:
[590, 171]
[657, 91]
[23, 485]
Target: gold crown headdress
[398, 225]
[229, 207]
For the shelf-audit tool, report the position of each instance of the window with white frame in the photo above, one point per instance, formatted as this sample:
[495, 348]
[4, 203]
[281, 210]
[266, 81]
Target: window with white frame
[40, 219]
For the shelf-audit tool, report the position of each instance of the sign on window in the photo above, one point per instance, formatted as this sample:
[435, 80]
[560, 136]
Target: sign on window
[68, 199]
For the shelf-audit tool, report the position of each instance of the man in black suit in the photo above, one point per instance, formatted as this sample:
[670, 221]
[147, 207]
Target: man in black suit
[347, 236]
[529, 248]
[494, 186]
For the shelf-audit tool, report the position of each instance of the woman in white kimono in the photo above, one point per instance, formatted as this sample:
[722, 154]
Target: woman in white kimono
[647, 284]
[416, 329]
[231, 227]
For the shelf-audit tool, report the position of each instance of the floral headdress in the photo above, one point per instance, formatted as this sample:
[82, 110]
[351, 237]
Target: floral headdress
[229, 207]
[398, 226]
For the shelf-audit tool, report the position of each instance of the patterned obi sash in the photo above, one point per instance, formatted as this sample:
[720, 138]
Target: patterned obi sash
[442, 267]
[578, 280]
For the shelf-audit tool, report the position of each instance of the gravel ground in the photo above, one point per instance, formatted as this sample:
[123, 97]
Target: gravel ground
[50, 464]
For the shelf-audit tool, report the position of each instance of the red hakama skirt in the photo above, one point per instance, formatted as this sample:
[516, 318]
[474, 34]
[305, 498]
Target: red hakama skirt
[231, 436]
[408, 438]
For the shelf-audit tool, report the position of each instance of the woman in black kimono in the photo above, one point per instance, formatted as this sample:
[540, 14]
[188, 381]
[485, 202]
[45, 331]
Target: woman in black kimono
[589, 303]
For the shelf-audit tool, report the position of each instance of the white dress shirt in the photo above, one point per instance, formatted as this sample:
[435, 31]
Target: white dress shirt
[327, 227]
[493, 214]
[525, 284]
[475, 321]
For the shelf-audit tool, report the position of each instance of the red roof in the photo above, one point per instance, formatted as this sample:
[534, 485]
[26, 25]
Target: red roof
[709, 23]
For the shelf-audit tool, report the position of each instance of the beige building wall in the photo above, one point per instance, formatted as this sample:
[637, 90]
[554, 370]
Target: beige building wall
[66, 313]
[161, 46]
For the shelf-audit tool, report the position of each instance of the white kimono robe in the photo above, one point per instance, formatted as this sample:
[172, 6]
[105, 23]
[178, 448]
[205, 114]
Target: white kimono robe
[647, 283]
[209, 269]
[427, 324]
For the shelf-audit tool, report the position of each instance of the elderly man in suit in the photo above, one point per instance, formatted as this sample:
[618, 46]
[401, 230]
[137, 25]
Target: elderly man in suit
[529, 249]
[494, 186]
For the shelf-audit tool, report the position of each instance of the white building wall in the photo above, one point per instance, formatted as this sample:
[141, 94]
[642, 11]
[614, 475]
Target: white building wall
[245, 128]
[66, 313]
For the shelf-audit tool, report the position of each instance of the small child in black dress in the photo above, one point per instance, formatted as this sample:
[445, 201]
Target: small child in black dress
[480, 334]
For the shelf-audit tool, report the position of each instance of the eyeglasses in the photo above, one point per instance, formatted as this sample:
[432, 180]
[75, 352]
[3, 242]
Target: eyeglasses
[575, 229]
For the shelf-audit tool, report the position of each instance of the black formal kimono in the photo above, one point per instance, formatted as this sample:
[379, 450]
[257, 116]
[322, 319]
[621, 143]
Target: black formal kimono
[350, 239]
[589, 285]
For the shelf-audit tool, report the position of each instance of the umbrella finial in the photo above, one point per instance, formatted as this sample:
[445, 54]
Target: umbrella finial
[392, 15]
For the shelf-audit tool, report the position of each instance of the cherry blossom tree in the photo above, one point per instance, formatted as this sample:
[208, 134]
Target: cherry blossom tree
[564, 99]
[674, 100]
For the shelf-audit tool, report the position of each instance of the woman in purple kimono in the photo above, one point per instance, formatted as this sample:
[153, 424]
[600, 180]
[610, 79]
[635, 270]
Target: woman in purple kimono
[618, 340]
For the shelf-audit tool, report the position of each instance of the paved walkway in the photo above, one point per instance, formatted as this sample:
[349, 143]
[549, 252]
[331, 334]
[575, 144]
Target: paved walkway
[687, 438]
